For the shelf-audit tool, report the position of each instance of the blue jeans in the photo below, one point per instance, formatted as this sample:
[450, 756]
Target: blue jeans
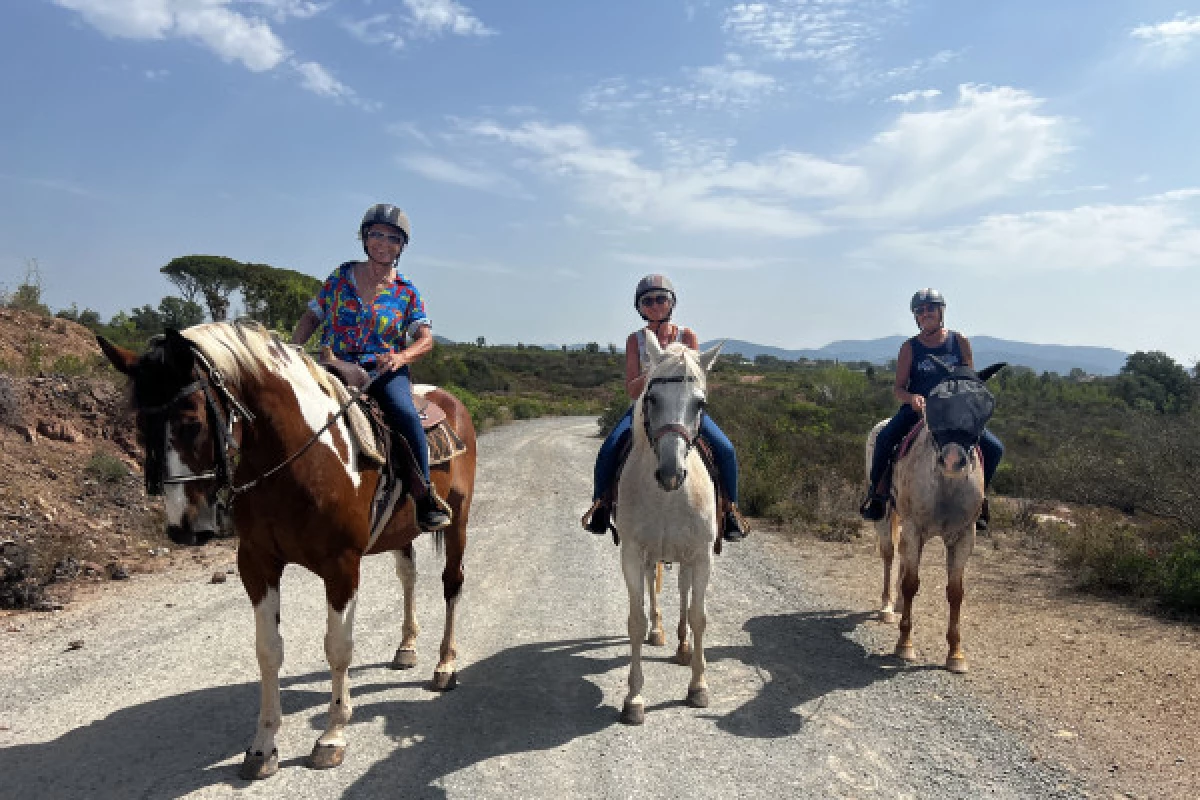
[722, 448]
[393, 392]
[903, 422]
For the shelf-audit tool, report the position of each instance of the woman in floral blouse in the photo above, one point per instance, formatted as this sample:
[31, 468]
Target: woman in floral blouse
[372, 315]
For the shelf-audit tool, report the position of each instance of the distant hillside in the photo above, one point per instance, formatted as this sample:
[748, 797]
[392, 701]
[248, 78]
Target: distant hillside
[1038, 357]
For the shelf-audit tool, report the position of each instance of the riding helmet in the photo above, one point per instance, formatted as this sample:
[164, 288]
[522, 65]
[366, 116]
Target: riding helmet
[387, 214]
[653, 283]
[926, 296]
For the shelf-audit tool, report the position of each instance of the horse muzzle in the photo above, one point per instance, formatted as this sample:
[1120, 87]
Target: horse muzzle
[953, 460]
[671, 479]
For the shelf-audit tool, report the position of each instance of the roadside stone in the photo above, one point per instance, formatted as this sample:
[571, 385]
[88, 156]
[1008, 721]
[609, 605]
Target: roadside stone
[218, 577]
[59, 430]
[117, 572]
[75, 644]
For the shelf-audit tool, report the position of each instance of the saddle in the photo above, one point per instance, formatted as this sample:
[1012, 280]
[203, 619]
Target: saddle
[723, 502]
[444, 443]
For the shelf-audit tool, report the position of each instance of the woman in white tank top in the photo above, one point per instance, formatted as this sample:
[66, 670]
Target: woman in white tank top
[654, 300]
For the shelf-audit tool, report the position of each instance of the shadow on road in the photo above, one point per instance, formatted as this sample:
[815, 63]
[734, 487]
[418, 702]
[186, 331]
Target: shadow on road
[802, 657]
[528, 698]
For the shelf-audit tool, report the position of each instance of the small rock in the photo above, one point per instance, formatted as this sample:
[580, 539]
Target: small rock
[75, 644]
[218, 577]
[1065, 734]
[117, 572]
[59, 431]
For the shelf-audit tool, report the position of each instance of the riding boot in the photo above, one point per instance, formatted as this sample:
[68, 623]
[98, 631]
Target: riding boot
[874, 508]
[597, 518]
[735, 527]
[985, 516]
[432, 512]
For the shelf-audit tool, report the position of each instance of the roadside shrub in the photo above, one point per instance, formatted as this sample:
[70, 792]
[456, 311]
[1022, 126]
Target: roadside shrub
[104, 467]
[69, 365]
[34, 352]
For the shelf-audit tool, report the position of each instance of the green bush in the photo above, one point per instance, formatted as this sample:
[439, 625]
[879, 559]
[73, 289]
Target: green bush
[69, 365]
[104, 467]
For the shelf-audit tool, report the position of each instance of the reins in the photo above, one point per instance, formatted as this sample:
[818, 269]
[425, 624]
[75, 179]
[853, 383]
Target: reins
[225, 445]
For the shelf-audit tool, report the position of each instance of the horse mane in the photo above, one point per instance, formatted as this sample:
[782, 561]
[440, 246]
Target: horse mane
[244, 351]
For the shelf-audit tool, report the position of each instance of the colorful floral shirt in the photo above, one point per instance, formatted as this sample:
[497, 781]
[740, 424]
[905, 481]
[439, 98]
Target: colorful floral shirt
[358, 332]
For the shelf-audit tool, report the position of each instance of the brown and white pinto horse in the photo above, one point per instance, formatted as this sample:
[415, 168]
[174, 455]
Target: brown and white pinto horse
[228, 404]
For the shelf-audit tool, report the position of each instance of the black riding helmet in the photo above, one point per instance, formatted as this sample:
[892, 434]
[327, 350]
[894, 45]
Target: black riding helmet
[653, 283]
[388, 214]
[925, 296]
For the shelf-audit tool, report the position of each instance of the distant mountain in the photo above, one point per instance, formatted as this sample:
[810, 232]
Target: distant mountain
[988, 350]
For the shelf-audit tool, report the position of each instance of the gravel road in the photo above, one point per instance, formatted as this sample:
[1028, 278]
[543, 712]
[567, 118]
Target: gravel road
[162, 697]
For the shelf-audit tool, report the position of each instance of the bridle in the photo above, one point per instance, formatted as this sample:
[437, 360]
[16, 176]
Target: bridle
[689, 436]
[222, 405]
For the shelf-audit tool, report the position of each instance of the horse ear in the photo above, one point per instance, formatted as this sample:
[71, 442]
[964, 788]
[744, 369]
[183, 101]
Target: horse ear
[124, 360]
[653, 350]
[991, 370]
[178, 350]
[709, 356]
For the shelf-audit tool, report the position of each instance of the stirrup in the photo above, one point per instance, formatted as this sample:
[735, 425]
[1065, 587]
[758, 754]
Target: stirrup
[431, 511]
[736, 526]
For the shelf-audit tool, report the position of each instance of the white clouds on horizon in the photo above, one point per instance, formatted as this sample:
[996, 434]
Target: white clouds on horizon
[907, 98]
[1158, 232]
[1169, 43]
[991, 143]
[427, 19]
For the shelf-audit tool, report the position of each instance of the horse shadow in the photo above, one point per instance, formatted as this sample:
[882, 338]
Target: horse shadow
[801, 657]
[525, 698]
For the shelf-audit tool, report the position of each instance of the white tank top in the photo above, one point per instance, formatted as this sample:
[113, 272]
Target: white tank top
[643, 356]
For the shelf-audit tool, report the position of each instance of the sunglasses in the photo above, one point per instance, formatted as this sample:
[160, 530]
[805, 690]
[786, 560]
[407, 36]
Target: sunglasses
[392, 238]
[655, 299]
[927, 308]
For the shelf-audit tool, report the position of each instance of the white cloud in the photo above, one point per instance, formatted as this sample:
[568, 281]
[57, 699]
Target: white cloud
[435, 17]
[283, 10]
[743, 197]
[320, 81]
[726, 84]
[993, 142]
[729, 85]
[1159, 232]
[906, 98]
[442, 170]
[832, 32]
[375, 30]
[1169, 42]
[232, 36]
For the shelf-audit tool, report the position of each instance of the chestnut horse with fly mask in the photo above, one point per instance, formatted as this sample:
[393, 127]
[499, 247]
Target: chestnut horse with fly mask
[228, 408]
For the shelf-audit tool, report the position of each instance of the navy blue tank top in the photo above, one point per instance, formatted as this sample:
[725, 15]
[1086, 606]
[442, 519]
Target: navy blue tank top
[925, 374]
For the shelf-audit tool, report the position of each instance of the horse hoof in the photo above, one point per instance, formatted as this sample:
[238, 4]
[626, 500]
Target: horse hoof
[887, 617]
[256, 766]
[698, 698]
[683, 656]
[906, 652]
[404, 659]
[444, 681]
[957, 665]
[633, 714]
[326, 756]
[656, 639]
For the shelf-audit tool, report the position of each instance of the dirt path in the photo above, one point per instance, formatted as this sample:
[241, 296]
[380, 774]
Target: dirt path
[161, 696]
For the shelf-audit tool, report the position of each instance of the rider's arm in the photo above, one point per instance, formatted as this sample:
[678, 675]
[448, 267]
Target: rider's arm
[634, 380]
[305, 327]
[689, 338]
[965, 348]
[903, 370]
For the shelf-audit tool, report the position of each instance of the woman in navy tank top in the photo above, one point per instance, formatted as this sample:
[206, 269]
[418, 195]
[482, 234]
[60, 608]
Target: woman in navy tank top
[916, 375]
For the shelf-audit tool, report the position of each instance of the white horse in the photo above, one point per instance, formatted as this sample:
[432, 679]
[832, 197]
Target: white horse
[667, 509]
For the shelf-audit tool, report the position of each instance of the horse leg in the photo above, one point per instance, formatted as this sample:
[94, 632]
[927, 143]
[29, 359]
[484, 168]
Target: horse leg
[956, 565]
[697, 695]
[406, 571]
[634, 569]
[445, 675]
[658, 636]
[888, 530]
[683, 655]
[330, 749]
[911, 545]
[262, 758]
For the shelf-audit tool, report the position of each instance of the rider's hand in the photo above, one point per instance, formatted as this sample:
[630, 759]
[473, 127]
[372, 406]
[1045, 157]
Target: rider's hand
[917, 402]
[390, 362]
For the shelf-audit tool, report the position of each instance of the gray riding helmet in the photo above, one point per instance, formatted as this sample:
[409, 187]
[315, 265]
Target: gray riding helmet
[653, 283]
[387, 214]
[926, 296]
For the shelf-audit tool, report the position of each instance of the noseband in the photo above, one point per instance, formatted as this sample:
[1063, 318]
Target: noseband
[689, 436]
[221, 405]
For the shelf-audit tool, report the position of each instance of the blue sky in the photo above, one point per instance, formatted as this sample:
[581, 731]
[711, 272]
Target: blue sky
[798, 167]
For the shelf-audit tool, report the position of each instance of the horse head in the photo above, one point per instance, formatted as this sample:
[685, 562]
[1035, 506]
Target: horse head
[175, 412]
[671, 406]
[956, 412]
